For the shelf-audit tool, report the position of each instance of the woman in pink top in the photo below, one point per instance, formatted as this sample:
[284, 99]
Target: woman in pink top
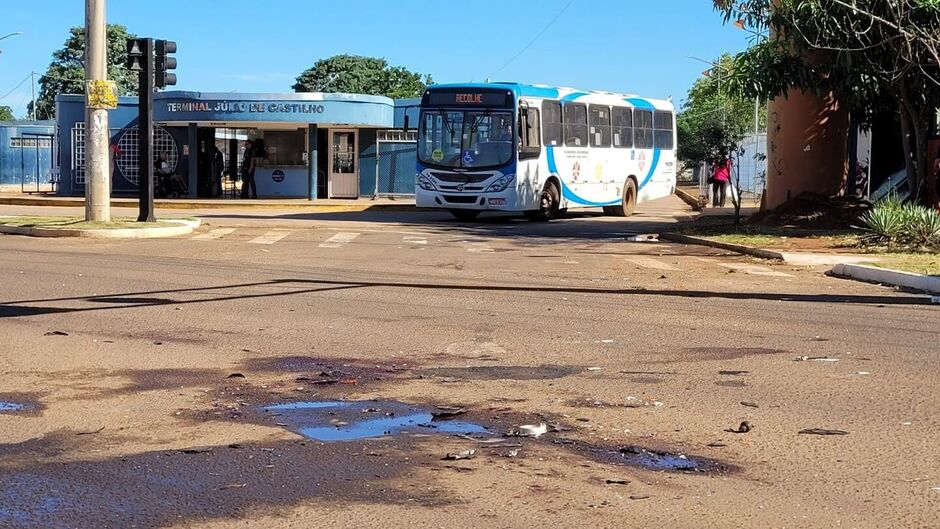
[720, 179]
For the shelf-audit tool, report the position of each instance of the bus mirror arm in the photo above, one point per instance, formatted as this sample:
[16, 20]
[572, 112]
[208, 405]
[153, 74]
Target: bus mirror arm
[407, 121]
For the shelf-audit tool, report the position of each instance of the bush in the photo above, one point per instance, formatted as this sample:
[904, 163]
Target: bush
[894, 223]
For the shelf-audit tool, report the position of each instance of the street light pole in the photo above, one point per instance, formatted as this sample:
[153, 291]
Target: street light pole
[97, 185]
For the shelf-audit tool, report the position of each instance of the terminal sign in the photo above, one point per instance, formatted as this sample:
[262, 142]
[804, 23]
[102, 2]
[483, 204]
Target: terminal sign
[469, 98]
[243, 107]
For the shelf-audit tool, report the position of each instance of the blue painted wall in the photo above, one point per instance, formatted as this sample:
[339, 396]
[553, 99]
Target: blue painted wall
[18, 162]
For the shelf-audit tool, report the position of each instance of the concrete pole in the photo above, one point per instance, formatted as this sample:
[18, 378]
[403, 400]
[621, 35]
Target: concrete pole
[97, 166]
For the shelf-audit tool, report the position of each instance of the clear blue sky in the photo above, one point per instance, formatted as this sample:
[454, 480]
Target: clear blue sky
[262, 45]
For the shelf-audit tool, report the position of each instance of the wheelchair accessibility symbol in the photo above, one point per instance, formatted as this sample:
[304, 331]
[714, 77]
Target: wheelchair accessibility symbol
[468, 157]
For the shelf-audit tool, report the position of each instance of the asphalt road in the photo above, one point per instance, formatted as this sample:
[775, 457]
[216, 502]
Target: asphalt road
[144, 369]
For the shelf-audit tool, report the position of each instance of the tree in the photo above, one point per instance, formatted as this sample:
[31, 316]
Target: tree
[66, 72]
[6, 113]
[709, 105]
[355, 74]
[871, 55]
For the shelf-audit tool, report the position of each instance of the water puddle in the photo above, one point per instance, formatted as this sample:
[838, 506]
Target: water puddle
[352, 420]
[11, 407]
[651, 459]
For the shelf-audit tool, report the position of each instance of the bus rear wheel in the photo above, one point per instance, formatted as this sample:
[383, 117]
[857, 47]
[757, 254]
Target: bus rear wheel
[549, 203]
[628, 205]
[465, 214]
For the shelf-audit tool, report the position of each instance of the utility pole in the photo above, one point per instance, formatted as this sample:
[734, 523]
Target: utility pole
[97, 179]
[32, 88]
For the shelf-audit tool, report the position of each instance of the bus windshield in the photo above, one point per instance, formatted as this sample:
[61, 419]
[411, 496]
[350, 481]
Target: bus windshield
[465, 138]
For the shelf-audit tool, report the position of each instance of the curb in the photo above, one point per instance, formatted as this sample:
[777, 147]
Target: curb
[178, 227]
[688, 199]
[740, 248]
[164, 204]
[886, 276]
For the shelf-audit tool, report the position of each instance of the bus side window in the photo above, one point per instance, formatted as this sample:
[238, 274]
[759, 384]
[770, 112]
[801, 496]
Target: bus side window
[600, 126]
[662, 130]
[529, 133]
[576, 125]
[643, 129]
[622, 125]
[552, 128]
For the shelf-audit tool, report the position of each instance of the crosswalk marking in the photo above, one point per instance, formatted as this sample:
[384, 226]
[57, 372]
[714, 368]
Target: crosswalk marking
[339, 240]
[411, 239]
[270, 237]
[213, 234]
[649, 262]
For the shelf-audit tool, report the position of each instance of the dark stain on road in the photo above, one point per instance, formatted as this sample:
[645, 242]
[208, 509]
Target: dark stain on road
[646, 380]
[542, 372]
[20, 404]
[730, 353]
[649, 458]
[169, 488]
[731, 383]
[353, 420]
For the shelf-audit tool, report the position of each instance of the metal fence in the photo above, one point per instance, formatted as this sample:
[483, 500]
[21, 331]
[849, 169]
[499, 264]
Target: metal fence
[396, 159]
[750, 169]
[38, 173]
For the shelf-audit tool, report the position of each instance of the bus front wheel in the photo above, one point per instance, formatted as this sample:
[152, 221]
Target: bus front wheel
[465, 214]
[626, 208]
[549, 203]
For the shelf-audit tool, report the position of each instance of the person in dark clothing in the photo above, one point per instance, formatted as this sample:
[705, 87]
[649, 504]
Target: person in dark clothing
[248, 171]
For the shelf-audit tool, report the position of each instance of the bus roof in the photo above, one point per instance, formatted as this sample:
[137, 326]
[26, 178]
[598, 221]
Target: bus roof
[561, 93]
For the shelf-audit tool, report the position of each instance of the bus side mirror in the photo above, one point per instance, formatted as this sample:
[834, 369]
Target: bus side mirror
[407, 121]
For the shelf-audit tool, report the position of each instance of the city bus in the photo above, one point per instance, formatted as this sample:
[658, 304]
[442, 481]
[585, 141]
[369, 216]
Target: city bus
[541, 150]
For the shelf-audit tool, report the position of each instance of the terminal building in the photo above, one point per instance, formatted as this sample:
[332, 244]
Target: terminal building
[316, 145]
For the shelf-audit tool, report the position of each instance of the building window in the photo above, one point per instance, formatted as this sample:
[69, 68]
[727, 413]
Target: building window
[285, 147]
[643, 129]
[129, 160]
[576, 125]
[662, 130]
[600, 126]
[30, 143]
[552, 124]
[621, 120]
[78, 153]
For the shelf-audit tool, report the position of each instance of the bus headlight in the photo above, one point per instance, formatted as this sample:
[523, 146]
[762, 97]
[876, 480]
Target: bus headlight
[426, 183]
[501, 184]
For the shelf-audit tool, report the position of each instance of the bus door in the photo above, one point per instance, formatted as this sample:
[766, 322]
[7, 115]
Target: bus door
[530, 149]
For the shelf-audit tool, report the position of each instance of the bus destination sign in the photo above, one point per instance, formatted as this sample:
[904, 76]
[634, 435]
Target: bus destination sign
[477, 98]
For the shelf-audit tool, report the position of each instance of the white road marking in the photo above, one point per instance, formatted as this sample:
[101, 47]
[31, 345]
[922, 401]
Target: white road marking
[339, 240]
[476, 247]
[753, 269]
[649, 262]
[411, 239]
[270, 237]
[213, 234]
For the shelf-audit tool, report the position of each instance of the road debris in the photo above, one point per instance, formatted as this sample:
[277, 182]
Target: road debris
[532, 430]
[197, 450]
[744, 427]
[91, 432]
[815, 359]
[236, 375]
[56, 333]
[823, 431]
[446, 412]
[749, 404]
[233, 486]
[639, 497]
[617, 481]
[455, 456]
[732, 372]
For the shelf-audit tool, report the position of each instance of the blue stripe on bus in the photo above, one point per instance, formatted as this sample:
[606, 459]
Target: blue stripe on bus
[572, 96]
[640, 103]
[565, 190]
[538, 91]
[653, 165]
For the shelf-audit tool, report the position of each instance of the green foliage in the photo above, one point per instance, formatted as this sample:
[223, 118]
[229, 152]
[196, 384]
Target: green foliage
[905, 225]
[66, 72]
[6, 113]
[872, 56]
[355, 74]
[713, 120]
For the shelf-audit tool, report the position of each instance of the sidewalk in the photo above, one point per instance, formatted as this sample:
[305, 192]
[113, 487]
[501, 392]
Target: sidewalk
[325, 205]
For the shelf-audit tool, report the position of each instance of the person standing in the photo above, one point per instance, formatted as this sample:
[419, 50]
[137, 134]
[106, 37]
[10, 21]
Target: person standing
[248, 171]
[720, 179]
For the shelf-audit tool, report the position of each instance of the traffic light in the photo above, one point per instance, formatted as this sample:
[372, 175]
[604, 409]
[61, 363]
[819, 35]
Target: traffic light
[136, 51]
[163, 63]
